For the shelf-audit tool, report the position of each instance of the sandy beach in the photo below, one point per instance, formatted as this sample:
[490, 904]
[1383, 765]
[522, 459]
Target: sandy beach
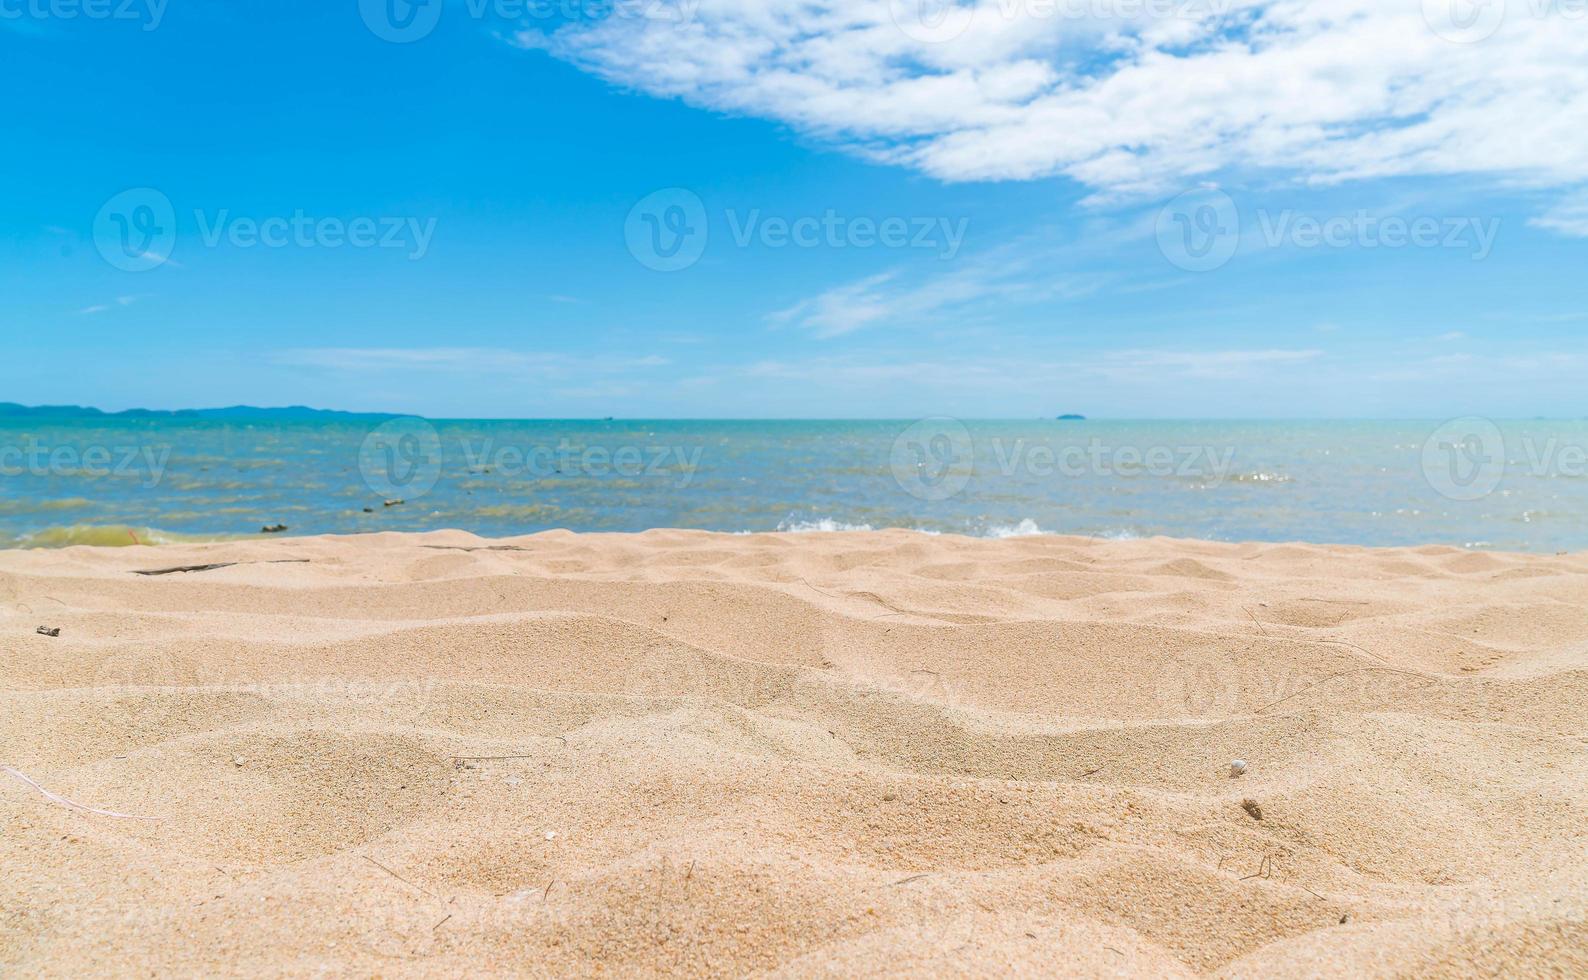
[850, 754]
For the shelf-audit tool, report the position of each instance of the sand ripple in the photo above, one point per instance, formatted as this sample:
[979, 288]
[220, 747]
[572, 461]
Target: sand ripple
[795, 755]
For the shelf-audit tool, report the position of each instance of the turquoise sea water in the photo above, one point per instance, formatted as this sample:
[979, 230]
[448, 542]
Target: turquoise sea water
[1511, 485]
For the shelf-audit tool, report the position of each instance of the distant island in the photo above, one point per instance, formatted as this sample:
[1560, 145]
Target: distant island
[236, 413]
[1072, 418]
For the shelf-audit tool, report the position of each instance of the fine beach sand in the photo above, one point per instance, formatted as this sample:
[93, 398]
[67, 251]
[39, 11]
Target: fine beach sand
[804, 755]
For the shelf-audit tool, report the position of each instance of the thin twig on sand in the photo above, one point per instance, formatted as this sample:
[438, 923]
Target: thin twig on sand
[182, 569]
[71, 804]
[1259, 622]
[401, 878]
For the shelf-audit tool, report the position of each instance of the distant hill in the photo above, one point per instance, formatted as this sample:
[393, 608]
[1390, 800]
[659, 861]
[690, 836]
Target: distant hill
[1072, 418]
[236, 413]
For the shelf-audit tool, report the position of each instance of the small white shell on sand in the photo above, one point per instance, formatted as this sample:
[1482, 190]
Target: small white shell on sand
[1237, 768]
[551, 835]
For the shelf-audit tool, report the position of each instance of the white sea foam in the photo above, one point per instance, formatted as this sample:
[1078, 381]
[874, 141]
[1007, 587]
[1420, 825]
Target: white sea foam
[825, 525]
[1025, 529]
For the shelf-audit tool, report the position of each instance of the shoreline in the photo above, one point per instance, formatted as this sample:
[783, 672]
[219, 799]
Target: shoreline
[155, 538]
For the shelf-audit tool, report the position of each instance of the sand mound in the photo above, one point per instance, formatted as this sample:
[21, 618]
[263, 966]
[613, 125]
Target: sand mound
[856, 754]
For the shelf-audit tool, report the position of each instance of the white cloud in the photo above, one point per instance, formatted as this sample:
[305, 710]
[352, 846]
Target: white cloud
[472, 360]
[1317, 90]
[103, 307]
[1537, 368]
[1021, 273]
[1154, 366]
[1223, 365]
[1568, 217]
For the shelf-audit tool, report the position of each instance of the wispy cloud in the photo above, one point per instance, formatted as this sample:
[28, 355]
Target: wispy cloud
[1222, 365]
[470, 360]
[1127, 104]
[106, 307]
[1568, 217]
[991, 373]
[1536, 367]
[920, 295]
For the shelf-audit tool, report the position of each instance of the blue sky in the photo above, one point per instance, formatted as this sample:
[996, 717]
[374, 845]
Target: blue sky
[871, 221]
